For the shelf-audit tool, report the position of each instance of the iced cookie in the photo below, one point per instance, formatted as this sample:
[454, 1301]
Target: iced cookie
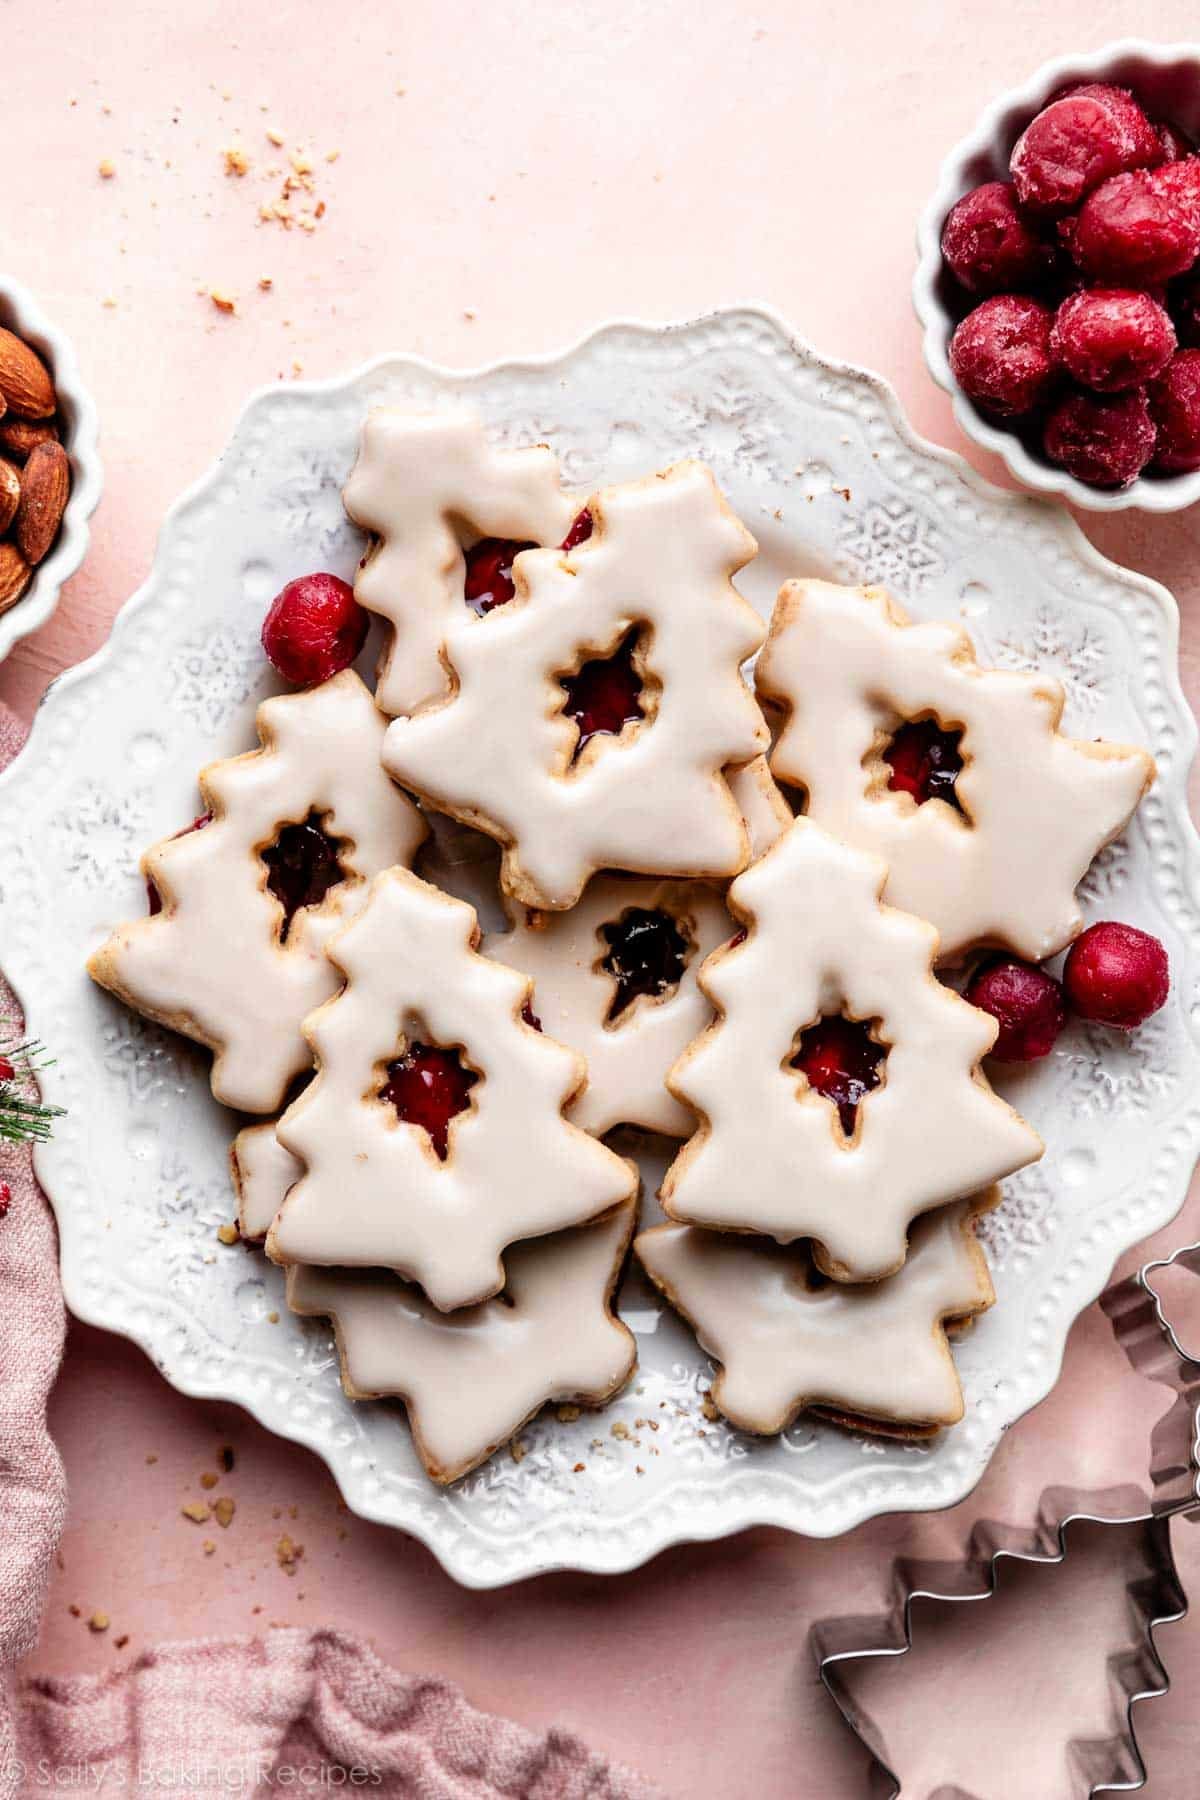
[471, 1379]
[957, 775]
[592, 723]
[442, 503]
[249, 896]
[786, 1339]
[262, 1172]
[839, 1088]
[433, 1134]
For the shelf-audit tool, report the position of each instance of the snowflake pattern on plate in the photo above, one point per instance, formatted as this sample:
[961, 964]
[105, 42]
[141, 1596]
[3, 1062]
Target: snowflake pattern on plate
[1108, 874]
[888, 543]
[727, 425]
[1070, 649]
[1121, 1072]
[102, 836]
[1022, 1223]
[213, 674]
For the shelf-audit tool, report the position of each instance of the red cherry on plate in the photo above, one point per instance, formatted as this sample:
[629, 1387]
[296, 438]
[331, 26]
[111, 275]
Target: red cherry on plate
[1027, 1004]
[1116, 975]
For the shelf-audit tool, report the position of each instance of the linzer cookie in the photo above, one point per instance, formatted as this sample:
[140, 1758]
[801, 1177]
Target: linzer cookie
[443, 506]
[262, 1172]
[957, 775]
[786, 1339]
[839, 1089]
[592, 722]
[471, 1379]
[245, 900]
[433, 1134]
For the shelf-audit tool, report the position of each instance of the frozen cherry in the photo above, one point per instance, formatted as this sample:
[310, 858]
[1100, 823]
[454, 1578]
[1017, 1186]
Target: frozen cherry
[428, 1087]
[315, 629]
[1000, 354]
[1174, 145]
[1078, 141]
[990, 246]
[1175, 406]
[302, 866]
[153, 897]
[1116, 975]
[1026, 1002]
[604, 695]
[1138, 229]
[925, 762]
[1112, 338]
[840, 1059]
[1105, 440]
[580, 532]
[488, 581]
[1181, 180]
[647, 954]
[1183, 302]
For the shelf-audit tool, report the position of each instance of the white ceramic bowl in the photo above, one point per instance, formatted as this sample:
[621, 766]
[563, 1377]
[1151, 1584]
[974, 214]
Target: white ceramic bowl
[20, 312]
[1166, 78]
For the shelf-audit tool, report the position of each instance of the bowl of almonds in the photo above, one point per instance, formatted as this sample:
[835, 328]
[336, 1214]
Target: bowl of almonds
[50, 475]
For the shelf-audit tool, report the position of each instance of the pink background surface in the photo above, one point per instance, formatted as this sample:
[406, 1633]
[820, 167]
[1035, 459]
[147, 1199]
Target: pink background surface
[507, 178]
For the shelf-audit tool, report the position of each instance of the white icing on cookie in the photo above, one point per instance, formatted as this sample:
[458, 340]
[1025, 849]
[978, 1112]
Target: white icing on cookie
[375, 1191]
[262, 1171]
[849, 669]
[761, 804]
[653, 800]
[574, 995]
[212, 964]
[472, 1378]
[427, 485]
[786, 1341]
[770, 1155]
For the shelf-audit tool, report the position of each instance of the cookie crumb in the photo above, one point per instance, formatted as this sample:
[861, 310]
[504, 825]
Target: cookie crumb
[107, 169]
[198, 1511]
[578, 1469]
[567, 1414]
[331, 156]
[151, 1457]
[236, 161]
[276, 137]
[288, 1554]
[620, 1429]
[208, 1479]
[75, 1611]
[265, 283]
[208, 1547]
[223, 1511]
[272, 1318]
[228, 1234]
[99, 1621]
[518, 1450]
[120, 1643]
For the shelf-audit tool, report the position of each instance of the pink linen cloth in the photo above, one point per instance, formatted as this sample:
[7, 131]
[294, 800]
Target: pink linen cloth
[310, 1710]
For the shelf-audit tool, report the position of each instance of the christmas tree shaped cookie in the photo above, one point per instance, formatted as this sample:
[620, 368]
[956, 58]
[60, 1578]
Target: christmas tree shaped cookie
[431, 487]
[470, 1379]
[957, 775]
[432, 1134]
[592, 722]
[262, 1172]
[787, 1339]
[248, 897]
[839, 1089]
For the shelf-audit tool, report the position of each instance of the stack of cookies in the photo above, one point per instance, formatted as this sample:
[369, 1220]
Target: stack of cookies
[432, 1157]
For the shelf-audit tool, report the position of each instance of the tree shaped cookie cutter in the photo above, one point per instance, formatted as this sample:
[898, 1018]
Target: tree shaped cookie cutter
[1151, 1343]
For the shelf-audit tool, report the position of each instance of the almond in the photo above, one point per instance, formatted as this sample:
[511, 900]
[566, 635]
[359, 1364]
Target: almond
[24, 379]
[14, 575]
[19, 436]
[10, 494]
[45, 487]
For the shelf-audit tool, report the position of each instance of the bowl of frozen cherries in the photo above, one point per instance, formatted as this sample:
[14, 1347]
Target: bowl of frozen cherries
[1059, 279]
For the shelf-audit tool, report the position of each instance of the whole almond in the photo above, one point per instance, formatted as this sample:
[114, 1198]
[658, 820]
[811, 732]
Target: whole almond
[19, 436]
[14, 575]
[24, 378]
[10, 494]
[45, 487]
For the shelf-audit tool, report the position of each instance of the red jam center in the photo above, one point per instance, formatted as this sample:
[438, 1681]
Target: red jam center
[925, 762]
[604, 695]
[580, 532]
[153, 897]
[302, 866]
[647, 954]
[489, 579]
[841, 1060]
[429, 1087]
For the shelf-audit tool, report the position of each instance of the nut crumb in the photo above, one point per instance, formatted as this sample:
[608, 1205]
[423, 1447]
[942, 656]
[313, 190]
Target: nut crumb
[99, 1621]
[208, 1547]
[107, 169]
[272, 1318]
[198, 1511]
[288, 1554]
[120, 1643]
[227, 1233]
[567, 1414]
[223, 1511]
[331, 156]
[266, 283]
[208, 1479]
[579, 1468]
[620, 1429]
[236, 161]
[276, 137]
[518, 1450]
[75, 1611]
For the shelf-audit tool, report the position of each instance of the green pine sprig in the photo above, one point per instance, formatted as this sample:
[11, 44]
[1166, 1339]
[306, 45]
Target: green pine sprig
[24, 1119]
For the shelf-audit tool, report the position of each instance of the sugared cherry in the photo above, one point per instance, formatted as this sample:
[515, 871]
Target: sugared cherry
[1175, 408]
[153, 897]
[1105, 440]
[314, 629]
[990, 246]
[1116, 975]
[1078, 141]
[5, 1199]
[647, 954]
[604, 695]
[841, 1060]
[1136, 230]
[302, 866]
[488, 581]
[429, 1087]
[1000, 354]
[1112, 338]
[1026, 1002]
[925, 762]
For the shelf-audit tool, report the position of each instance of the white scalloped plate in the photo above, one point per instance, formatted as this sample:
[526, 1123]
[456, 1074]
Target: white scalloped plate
[818, 460]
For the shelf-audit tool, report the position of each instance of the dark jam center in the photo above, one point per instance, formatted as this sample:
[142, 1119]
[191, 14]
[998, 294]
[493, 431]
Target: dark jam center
[302, 866]
[429, 1087]
[489, 579]
[605, 695]
[925, 762]
[842, 1061]
[580, 532]
[647, 954]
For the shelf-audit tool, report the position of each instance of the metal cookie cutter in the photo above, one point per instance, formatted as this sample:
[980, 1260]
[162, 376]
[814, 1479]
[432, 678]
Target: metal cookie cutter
[1115, 1764]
